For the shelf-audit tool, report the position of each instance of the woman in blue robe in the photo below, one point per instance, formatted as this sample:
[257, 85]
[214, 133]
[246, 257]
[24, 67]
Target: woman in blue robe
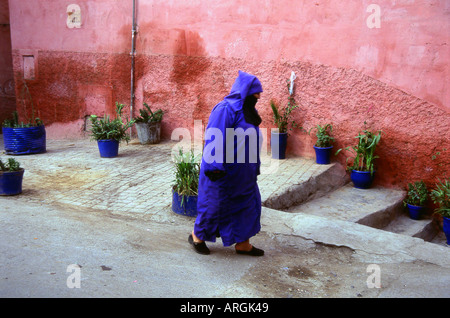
[229, 201]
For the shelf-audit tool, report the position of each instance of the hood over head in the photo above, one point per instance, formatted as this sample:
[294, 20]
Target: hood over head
[244, 85]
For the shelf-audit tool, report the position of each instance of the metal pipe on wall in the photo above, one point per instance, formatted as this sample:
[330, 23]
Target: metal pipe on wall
[133, 54]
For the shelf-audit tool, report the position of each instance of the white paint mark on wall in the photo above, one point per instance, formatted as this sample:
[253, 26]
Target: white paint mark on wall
[28, 67]
[374, 20]
[238, 48]
[415, 54]
[367, 57]
[73, 16]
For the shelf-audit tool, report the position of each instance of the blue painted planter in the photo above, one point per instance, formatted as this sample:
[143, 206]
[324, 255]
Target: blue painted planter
[278, 143]
[323, 155]
[24, 141]
[108, 148]
[361, 179]
[184, 205]
[11, 182]
[415, 211]
[446, 223]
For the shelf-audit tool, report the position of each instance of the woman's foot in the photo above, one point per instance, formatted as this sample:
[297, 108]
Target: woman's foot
[199, 245]
[195, 238]
[253, 252]
[243, 246]
[248, 249]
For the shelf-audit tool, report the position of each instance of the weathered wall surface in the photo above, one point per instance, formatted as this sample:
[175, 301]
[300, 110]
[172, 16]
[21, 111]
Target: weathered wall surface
[386, 65]
[7, 97]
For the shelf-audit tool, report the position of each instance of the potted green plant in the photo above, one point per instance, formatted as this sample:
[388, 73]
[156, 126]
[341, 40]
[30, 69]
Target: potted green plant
[362, 167]
[278, 139]
[24, 138]
[441, 196]
[109, 133]
[324, 143]
[21, 138]
[416, 199]
[11, 177]
[148, 125]
[185, 188]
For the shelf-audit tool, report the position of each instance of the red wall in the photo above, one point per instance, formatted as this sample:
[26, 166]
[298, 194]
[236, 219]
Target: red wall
[7, 95]
[393, 76]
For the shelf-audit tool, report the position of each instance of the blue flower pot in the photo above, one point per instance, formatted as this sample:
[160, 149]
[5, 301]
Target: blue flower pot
[415, 211]
[361, 179]
[24, 141]
[278, 143]
[323, 155]
[11, 182]
[446, 227]
[109, 148]
[184, 205]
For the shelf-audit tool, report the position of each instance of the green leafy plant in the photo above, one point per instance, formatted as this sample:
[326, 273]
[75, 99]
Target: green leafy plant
[417, 194]
[441, 196]
[187, 171]
[14, 122]
[147, 116]
[323, 135]
[11, 165]
[105, 128]
[364, 151]
[282, 117]
[25, 98]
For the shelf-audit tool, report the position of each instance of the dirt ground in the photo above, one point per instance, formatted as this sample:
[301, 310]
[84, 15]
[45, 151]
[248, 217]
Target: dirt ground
[298, 268]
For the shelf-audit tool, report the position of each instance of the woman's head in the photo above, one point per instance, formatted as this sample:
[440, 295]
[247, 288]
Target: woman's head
[250, 114]
[245, 85]
[255, 88]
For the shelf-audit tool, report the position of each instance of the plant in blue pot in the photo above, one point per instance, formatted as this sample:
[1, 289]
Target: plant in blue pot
[441, 196]
[11, 177]
[416, 199]
[28, 136]
[324, 144]
[110, 132]
[283, 121]
[362, 167]
[185, 188]
[21, 138]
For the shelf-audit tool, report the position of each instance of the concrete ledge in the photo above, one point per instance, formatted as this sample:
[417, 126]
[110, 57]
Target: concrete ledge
[310, 182]
[425, 229]
[375, 207]
[369, 243]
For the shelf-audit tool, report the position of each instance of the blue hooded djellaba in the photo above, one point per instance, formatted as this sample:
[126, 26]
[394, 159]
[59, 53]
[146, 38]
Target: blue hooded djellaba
[229, 201]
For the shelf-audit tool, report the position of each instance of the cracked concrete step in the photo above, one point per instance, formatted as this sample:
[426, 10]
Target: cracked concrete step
[425, 228]
[375, 207]
[296, 180]
[364, 240]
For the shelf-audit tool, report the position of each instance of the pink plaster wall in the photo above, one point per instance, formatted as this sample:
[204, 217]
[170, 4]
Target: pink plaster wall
[188, 53]
[410, 50]
[7, 97]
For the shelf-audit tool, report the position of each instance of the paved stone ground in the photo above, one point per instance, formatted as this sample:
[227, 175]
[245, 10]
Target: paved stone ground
[113, 218]
[139, 180]
[72, 172]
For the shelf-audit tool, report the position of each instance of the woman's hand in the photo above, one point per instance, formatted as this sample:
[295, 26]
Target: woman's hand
[215, 175]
